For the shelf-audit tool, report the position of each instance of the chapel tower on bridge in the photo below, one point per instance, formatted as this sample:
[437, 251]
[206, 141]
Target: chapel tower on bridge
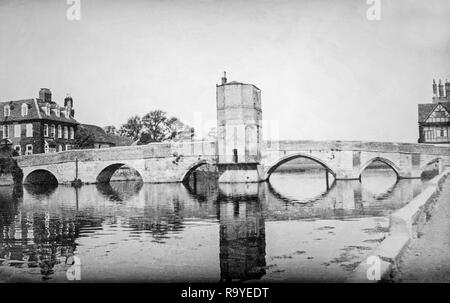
[239, 131]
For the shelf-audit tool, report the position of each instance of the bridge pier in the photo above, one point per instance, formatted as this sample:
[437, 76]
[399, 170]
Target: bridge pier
[240, 173]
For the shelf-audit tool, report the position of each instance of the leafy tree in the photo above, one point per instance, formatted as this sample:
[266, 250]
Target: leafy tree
[132, 128]
[110, 130]
[158, 127]
[84, 138]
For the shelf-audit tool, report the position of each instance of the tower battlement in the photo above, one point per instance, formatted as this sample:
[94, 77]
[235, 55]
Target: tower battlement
[441, 92]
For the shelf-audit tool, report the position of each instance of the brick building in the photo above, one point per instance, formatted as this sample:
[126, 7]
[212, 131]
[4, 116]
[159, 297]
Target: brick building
[434, 118]
[38, 125]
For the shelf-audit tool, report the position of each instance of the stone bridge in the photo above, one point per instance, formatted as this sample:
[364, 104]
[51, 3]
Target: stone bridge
[239, 152]
[346, 160]
[156, 163]
[174, 162]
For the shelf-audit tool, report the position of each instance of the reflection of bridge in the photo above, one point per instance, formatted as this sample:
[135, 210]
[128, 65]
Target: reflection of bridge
[163, 211]
[239, 152]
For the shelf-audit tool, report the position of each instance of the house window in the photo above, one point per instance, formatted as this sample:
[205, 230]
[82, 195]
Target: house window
[18, 149]
[5, 131]
[46, 148]
[52, 131]
[29, 149]
[24, 109]
[59, 131]
[72, 133]
[7, 111]
[68, 147]
[45, 130]
[66, 132]
[17, 130]
[29, 132]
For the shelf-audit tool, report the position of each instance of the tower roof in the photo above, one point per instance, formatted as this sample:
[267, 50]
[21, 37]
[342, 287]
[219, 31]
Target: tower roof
[238, 83]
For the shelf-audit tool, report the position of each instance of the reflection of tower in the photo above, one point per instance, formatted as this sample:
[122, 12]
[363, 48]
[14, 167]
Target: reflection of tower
[242, 236]
[239, 131]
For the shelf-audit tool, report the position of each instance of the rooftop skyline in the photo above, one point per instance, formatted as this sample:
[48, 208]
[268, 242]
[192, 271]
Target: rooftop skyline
[326, 72]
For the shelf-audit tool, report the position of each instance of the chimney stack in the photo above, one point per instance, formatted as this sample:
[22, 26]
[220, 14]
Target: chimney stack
[224, 78]
[45, 94]
[68, 101]
[434, 88]
[68, 104]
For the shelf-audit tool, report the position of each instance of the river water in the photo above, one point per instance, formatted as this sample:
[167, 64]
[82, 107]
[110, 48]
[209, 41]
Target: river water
[291, 229]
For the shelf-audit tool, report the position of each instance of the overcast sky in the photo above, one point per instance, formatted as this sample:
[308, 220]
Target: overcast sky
[325, 70]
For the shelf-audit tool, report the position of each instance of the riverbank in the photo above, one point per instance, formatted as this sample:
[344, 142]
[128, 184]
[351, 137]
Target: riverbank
[427, 258]
[406, 225]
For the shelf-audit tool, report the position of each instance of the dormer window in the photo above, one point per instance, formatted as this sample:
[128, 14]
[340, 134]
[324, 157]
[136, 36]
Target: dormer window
[7, 111]
[47, 109]
[57, 112]
[24, 109]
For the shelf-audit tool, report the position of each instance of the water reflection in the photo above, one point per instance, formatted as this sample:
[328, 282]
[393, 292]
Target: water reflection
[129, 231]
[378, 193]
[242, 232]
[119, 191]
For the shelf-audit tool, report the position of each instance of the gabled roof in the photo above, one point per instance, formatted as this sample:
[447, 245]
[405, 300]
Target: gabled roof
[425, 110]
[35, 111]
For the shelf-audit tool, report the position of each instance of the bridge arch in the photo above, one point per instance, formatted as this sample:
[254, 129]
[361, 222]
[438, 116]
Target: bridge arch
[40, 177]
[192, 168]
[388, 162]
[105, 174]
[288, 158]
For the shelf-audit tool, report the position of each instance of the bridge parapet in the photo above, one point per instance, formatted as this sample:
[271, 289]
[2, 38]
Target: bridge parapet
[153, 150]
[387, 147]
